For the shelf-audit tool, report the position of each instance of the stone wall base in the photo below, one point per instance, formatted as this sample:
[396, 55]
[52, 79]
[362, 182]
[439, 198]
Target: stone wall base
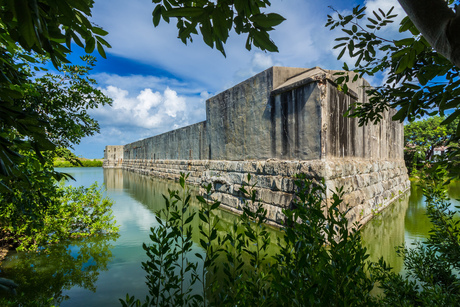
[369, 185]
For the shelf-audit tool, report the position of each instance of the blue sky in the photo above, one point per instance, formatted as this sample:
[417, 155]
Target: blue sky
[158, 84]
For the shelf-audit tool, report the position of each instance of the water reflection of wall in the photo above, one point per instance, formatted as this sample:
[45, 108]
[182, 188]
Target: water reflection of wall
[385, 232]
[113, 179]
[149, 191]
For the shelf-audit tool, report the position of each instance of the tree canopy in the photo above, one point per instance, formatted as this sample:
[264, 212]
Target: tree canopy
[39, 115]
[31, 32]
[419, 81]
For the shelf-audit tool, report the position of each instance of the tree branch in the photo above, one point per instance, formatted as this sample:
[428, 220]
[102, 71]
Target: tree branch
[438, 23]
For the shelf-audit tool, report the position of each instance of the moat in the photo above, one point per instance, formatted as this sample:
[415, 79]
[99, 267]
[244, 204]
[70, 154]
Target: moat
[96, 272]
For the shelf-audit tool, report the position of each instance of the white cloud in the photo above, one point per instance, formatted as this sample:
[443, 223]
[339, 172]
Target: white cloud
[146, 110]
[262, 61]
[173, 103]
[148, 99]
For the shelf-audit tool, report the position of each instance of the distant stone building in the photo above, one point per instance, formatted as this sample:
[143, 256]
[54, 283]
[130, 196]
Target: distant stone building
[281, 122]
[113, 156]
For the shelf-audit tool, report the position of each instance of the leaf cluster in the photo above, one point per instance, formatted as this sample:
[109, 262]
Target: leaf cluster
[215, 19]
[31, 33]
[48, 27]
[419, 82]
[33, 217]
[422, 137]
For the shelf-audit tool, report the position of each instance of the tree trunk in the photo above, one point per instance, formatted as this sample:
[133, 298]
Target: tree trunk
[438, 24]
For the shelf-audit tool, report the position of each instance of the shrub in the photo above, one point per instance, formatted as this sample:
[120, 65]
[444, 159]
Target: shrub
[69, 212]
[321, 260]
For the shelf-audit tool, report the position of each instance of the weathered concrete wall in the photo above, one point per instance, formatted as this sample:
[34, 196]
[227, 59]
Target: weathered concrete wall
[188, 143]
[240, 121]
[278, 123]
[343, 137]
[113, 156]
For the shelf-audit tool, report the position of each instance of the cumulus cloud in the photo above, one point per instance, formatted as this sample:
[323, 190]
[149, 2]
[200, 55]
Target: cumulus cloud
[262, 61]
[146, 110]
[258, 63]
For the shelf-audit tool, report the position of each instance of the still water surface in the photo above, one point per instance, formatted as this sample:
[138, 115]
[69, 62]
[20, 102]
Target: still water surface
[96, 272]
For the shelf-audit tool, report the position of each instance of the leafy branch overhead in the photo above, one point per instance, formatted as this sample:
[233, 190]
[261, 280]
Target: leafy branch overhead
[419, 80]
[215, 19]
[31, 32]
[49, 27]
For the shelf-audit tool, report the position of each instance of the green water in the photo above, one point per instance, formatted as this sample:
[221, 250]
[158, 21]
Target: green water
[402, 223]
[96, 272]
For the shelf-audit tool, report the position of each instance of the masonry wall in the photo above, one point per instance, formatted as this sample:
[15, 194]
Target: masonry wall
[187, 143]
[240, 119]
[113, 156]
[278, 123]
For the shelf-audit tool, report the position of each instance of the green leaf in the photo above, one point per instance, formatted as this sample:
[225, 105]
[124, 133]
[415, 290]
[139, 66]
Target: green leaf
[341, 53]
[101, 50]
[267, 20]
[156, 15]
[262, 40]
[189, 219]
[90, 45]
[103, 41]
[215, 205]
[404, 42]
[402, 64]
[451, 117]
[206, 32]
[99, 31]
[401, 114]
[411, 86]
[372, 20]
[220, 25]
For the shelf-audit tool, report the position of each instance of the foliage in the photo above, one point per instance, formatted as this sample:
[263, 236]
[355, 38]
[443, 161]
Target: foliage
[44, 277]
[31, 31]
[62, 102]
[423, 136]
[38, 114]
[419, 81]
[237, 269]
[29, 196]
[215, 20]
[51, 213]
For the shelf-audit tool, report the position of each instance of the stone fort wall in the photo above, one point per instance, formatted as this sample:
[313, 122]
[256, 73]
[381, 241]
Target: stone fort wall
[281, 122]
